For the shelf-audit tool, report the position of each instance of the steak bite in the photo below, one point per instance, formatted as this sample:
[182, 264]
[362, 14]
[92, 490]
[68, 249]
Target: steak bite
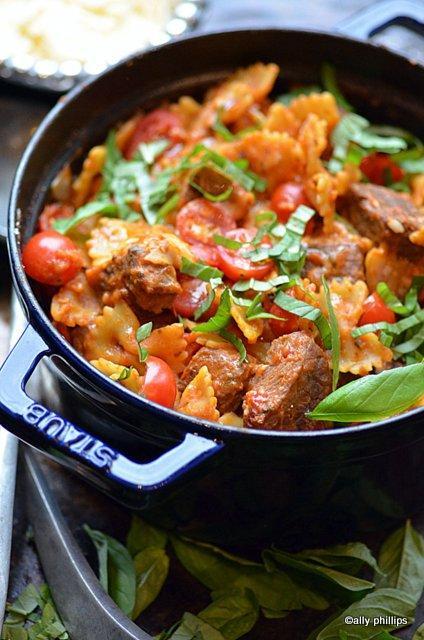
[333, 260]
[296, 378]
[383, 215]
[149, 284]
[229, 375]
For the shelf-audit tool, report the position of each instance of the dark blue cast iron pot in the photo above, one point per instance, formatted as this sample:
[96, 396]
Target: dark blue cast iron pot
[223, 484]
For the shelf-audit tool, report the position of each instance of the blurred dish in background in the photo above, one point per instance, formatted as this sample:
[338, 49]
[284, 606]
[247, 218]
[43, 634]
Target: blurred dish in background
[52, 44]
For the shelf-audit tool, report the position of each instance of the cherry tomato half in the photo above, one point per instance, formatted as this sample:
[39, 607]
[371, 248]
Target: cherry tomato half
[375, 310]
[159, 123]
[380, 169]
[194, 291]
[52, 212]
[235, 265]
[206, 253]
[51, 258]
[160, 383]
[289, 321]
[286, 198]
[199, 220]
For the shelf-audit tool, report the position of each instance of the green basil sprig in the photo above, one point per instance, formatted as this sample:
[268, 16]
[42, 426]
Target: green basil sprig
[373, 397]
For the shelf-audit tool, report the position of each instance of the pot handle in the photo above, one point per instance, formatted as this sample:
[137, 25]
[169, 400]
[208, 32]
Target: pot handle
[377, 16]
[36, 425]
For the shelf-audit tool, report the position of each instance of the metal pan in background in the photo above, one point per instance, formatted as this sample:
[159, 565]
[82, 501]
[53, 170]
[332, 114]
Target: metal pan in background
[51, 76]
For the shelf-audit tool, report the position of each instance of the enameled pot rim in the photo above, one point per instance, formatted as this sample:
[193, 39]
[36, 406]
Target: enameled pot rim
[62, 348]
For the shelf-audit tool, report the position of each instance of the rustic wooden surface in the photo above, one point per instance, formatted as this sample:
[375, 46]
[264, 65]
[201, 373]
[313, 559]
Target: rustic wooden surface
[19, 111]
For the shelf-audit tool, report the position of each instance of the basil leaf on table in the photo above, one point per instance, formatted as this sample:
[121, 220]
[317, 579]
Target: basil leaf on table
[373, 397]
[234, 613]
[402, 561]
[151, 570]
[343, 580]
[349, 557]
[116, 569]
[387, 603]
[194, 628]
[335, 333]
[307, 311]
[142, 535]
[215, 568]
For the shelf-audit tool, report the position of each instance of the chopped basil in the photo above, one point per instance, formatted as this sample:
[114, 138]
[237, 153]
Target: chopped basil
[220, 128]
[199, 270]
[149, 152]
[247, 179]
[395, 328]
[221, 318]
[335, 333]
[205, 305]
[354, 129]
[209, 196]
[391, 300]
[260, 285]
[412, 344]
[142, 333]
[329, 82]
[373, 397]
[305, 310]
[236, 342]
[123, 375]
[105, 208]
[287, 98]
[229, 243]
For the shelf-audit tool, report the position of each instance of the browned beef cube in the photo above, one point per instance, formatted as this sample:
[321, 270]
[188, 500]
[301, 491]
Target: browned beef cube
[150, 286]
[229, 375]
[296, 379]
[383, 215]
[325, 257]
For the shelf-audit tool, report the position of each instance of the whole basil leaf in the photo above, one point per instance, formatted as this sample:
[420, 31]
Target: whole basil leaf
[233, 613]
[383, 602]
[193, 628]
[215, 568]
[402, 561]
[348, 557]
[116, 569]
[142, 535]
[373, 397]
[344, 581]
[151, 570]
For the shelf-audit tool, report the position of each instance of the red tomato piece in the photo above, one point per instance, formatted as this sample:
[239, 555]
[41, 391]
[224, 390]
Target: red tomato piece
[206, 253]
[235, 265]
[51, 258]
[285, 200]
[289, 321]
[379, 168]
[52, 212]
[375, 310]
[199, 220]
[194, 291]
[160, 382]
[159, 123]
